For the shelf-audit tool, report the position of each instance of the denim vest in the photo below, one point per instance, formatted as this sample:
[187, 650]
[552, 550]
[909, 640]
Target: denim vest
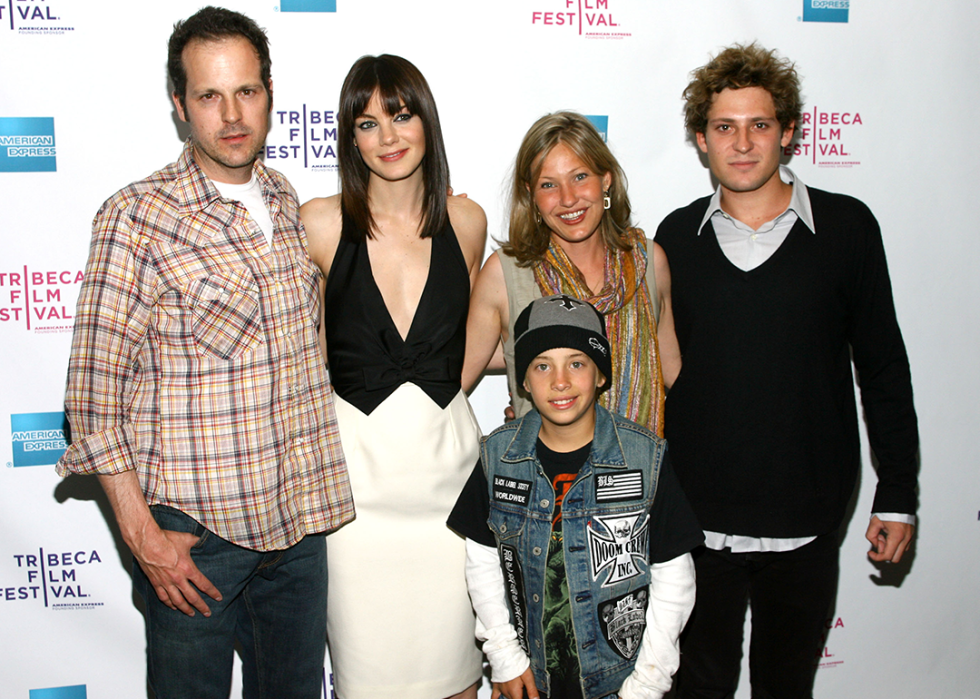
[605, 528]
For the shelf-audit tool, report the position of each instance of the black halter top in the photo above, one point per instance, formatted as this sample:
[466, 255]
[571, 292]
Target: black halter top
[367, 357]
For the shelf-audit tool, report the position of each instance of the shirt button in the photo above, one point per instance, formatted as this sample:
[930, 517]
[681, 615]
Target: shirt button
[545, 503]
[536, 550]
[536, 598]
[503, 528]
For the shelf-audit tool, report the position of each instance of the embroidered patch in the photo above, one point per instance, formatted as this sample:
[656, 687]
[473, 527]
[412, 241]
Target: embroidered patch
[511, 490]
[514, 584]
[623, 620]
[622, 485]
[627, 541]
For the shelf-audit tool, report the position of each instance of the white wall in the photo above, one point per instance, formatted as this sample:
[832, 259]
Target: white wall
[909, 69]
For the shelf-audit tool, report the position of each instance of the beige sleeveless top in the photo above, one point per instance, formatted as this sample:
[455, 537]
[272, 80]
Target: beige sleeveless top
[521, 290]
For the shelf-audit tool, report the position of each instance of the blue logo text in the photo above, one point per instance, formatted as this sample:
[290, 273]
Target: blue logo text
[27, 144]
[601, 124]
[308, 5]
[38, 439]
[76, 691]
[825, 10]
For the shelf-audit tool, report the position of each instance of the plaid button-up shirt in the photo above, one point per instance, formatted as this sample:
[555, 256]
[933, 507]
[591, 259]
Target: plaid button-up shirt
[195, 360]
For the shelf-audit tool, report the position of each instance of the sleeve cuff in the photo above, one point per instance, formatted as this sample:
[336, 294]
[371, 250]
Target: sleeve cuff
[103, 453]
[485, 582]
[895, 517]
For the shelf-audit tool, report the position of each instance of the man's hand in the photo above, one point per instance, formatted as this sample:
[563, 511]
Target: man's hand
[515, 688]
[889, 540]
[165, 557]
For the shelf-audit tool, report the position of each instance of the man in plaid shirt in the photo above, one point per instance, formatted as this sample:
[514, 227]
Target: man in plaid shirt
[198, 394]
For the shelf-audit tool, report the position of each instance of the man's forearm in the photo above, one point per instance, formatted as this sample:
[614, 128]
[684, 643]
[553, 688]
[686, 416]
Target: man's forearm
[129, 505]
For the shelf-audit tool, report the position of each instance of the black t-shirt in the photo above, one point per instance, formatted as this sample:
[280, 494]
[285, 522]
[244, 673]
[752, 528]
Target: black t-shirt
[674, 530]
[561, 650]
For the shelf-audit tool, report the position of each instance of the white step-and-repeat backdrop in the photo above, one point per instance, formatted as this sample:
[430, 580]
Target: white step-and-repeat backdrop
[888, 87]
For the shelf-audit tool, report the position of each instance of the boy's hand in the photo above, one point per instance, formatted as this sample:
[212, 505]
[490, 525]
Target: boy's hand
[518, 688]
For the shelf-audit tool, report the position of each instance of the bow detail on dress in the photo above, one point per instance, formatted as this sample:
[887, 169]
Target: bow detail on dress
[401, 367]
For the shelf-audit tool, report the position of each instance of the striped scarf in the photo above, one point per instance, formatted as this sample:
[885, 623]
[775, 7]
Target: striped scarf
[636, 389]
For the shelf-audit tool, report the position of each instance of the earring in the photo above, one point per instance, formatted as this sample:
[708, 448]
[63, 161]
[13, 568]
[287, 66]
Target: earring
[537, 217]
[606, 200]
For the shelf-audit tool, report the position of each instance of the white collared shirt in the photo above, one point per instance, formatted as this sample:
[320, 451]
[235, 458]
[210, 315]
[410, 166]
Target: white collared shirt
[747, 248]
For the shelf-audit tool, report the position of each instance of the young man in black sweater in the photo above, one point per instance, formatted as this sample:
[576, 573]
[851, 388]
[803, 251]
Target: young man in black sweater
[775, 288]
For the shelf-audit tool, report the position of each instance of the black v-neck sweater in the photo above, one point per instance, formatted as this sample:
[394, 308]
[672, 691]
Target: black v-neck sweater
[762, 423]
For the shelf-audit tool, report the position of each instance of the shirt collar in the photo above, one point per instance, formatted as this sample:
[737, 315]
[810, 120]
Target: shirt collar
[799, 201]
[195, 191]
[607, 450]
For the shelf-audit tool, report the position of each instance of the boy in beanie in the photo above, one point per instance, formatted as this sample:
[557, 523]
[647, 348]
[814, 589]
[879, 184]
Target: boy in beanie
[577, 532]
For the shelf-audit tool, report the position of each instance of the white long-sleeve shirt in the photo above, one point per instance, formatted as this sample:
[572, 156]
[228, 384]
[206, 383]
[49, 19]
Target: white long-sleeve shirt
[672, 590]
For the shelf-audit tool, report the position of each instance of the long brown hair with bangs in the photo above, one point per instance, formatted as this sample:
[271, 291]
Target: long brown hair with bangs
[398, 84]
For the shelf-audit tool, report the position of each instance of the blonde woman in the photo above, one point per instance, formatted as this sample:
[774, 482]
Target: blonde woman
[570, 233]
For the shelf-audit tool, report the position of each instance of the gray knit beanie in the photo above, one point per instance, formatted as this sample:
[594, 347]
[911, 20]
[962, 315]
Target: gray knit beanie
[560, 321]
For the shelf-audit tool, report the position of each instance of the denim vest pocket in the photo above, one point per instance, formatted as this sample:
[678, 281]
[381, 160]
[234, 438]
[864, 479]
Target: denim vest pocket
[506, 524]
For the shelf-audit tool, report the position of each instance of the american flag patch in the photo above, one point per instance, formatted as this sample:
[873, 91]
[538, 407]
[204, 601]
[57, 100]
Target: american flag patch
[622, 485]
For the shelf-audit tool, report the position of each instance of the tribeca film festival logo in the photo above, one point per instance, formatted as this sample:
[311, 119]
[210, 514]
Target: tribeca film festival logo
[827, 138]
[75, 691]
[44, 301]
[38, 439]
[311, 138]
[27, 144]
[826, 10]
[33, 17]
[592, 19]
[52, 579]
[825, 659]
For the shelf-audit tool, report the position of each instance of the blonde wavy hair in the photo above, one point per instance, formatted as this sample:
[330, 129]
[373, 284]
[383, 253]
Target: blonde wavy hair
[528, 237]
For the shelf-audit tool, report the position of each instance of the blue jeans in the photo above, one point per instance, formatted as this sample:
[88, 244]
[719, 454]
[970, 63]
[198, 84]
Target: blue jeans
[274, 604]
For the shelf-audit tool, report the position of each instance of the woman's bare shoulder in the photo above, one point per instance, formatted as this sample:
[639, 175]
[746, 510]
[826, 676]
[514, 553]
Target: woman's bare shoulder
[320, 211]
[470, 223]
[466, 216]
[323, 223]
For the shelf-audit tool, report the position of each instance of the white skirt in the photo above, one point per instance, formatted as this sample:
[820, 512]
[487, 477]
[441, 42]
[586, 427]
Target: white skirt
[399, 620]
